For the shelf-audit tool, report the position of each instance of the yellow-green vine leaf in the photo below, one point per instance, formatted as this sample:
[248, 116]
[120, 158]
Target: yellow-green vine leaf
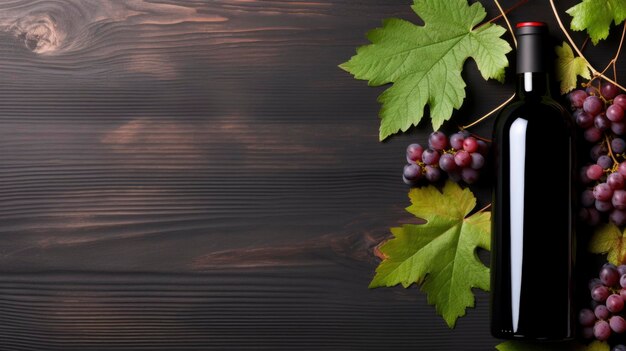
[556, 346]
[440, 254]
[424, 63]
[568, 68]
[609, 239]
[596, 16]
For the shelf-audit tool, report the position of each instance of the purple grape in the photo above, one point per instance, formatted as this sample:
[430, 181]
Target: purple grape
[618, 200]
[602, 192]
[592, 91]
[597, 151]
[605, 162]
[432, 174]
[602, 330]
[601, 312]
[594, 217]
[456, 141]
[412, 173]
[604, 206]
[621, 269]
[463, 158]
[600, 294]
[583, 119]
[619, 348]
[622, 169]
[609, 90]
[577, 98]
[594, 282]
[478, 161]
[587, 333]
[583, 175]
[470, 144]
[593, 135]
[430, 157]
[615, 113]
[469, 175]
[593, 105]
[615, 303]
[618, 217]
[455, 175]
[587, 199]
[586, 317]
[620, 100]
[594, 172]
[618, 128]
[414, 152]
[617, 323]
[622, 280]
[601, 122]
[446, 163]
[483, 148]
[609, 275]
[618, 145]
[437, 141]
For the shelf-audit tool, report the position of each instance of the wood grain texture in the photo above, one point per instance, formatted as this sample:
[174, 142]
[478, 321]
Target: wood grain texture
[199, 175]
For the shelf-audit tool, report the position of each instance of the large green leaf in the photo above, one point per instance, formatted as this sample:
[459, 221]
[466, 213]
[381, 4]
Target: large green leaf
[569, 68]
[425, 62]
[596, 16]
[441, 253]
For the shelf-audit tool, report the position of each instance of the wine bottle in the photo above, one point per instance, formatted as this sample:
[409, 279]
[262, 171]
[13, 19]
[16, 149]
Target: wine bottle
[532, 213]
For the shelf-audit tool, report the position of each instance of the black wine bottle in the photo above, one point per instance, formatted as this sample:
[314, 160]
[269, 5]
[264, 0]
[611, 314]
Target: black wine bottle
[532, 213]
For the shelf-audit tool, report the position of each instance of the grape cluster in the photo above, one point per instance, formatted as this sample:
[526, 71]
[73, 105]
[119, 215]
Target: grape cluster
[606, 315]
[460, 157]
[600, 113]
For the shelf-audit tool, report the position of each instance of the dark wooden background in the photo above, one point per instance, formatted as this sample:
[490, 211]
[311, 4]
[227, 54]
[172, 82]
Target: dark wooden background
[199, 175]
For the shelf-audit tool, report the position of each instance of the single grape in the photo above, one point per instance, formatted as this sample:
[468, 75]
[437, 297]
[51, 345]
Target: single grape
[456, 141]
[412, 173]
[583, 119]
[621, 269]
[602, 330]
[603, 192]
[600, 294]
[587, 199]
[601, 311]
[463, 158]
[604, 206]
[609, 275]
[432, 174]
[470, 144]
[455, 175]
[586, 317]
[618, 128]
[577, 98]
[609, 90]
[618, 217]
[478, 161]
[469, 175]
[615, 303]
[583, 175]
[618, 145]
[593, 135]
[446, 163]
[618, 200]
[594, 172]
[593, 105]
[615, 113]
[617, 323]
[622, 169]
[437, 141]
[430, 157]
[619, 348]
[414, 152]
[597, 151]
[601, 122]
[620, 100]
[587, 332]
[615, 181]
[605, 162]
[622, 280]
[592, 90]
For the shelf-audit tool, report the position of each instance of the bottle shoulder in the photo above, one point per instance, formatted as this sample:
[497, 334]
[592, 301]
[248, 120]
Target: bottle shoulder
[534, 109]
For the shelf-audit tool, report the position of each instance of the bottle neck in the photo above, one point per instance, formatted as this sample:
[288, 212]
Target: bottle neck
[533, 85]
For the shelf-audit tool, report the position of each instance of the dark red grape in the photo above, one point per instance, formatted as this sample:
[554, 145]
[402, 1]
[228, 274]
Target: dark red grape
[609, 90]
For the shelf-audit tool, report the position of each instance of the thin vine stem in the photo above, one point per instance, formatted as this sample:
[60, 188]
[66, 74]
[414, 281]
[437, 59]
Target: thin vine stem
[506, 19]
[489, 113]
[610, 149]
[594, 71]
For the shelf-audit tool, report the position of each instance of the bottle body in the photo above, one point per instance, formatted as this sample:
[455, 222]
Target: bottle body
[533, 222]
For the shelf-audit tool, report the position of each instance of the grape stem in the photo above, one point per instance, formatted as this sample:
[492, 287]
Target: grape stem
[608, 146]
[594, 71]
[485, 208]
[488, 113]
[506, 19]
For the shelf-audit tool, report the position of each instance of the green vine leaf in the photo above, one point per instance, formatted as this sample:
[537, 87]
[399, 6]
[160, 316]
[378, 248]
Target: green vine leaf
[596, 16]
[569, 68]
[440, 254]
[424, 63]
[546, 346]
[609, 239]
